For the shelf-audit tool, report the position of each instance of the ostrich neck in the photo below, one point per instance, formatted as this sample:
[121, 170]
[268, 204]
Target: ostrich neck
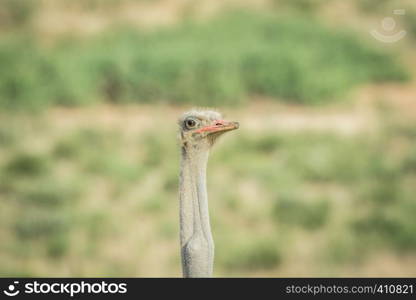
[197, 246]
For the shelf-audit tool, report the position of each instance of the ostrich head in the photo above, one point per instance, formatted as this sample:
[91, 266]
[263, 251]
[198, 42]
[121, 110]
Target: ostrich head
[199, 129]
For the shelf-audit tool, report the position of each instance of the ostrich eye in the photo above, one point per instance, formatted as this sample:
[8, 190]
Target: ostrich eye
[190, 123]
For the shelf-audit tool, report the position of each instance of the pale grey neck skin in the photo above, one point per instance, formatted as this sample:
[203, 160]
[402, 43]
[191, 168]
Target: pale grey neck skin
[197, 246]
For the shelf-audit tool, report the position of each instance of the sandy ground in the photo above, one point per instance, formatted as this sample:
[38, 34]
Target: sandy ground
[57, 18]
[353, 117]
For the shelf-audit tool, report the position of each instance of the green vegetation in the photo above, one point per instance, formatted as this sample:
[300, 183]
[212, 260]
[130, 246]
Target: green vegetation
[293, 211]
[255, 254]
[87, 192]
[110, 184]
[208, 63]
[27, 164]
[16, 14]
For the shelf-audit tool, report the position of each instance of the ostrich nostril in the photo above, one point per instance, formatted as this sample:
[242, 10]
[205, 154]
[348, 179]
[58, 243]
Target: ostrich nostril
[218, 124]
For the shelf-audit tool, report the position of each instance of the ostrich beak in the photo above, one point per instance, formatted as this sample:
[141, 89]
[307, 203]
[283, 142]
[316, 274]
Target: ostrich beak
[219, 126]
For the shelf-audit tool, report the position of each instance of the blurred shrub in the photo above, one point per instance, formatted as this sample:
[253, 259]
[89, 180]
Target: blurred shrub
[27, 75]
[67, 149]
[40, 223]
[27, 164]
[310, 214]
[345, 247]
[255, 254]
[44, 214]
[387, 200]
[83, 141]
[16, 13]
[409, 163]
[48, 194]
[392, 226]
[97, 152]
[218, 62]
[57, 246]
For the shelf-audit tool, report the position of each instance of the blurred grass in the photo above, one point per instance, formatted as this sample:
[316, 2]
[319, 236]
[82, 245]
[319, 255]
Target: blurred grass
[16, 14]
[93, 200]
[222, 61]
[356, 193]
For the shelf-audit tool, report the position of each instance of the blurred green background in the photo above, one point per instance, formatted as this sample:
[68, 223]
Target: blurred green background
[320, 179]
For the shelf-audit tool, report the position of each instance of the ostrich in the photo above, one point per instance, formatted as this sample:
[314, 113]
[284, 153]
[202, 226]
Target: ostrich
[198, 132]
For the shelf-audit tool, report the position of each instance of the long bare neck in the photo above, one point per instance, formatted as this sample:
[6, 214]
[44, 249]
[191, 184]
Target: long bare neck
[197, 246]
